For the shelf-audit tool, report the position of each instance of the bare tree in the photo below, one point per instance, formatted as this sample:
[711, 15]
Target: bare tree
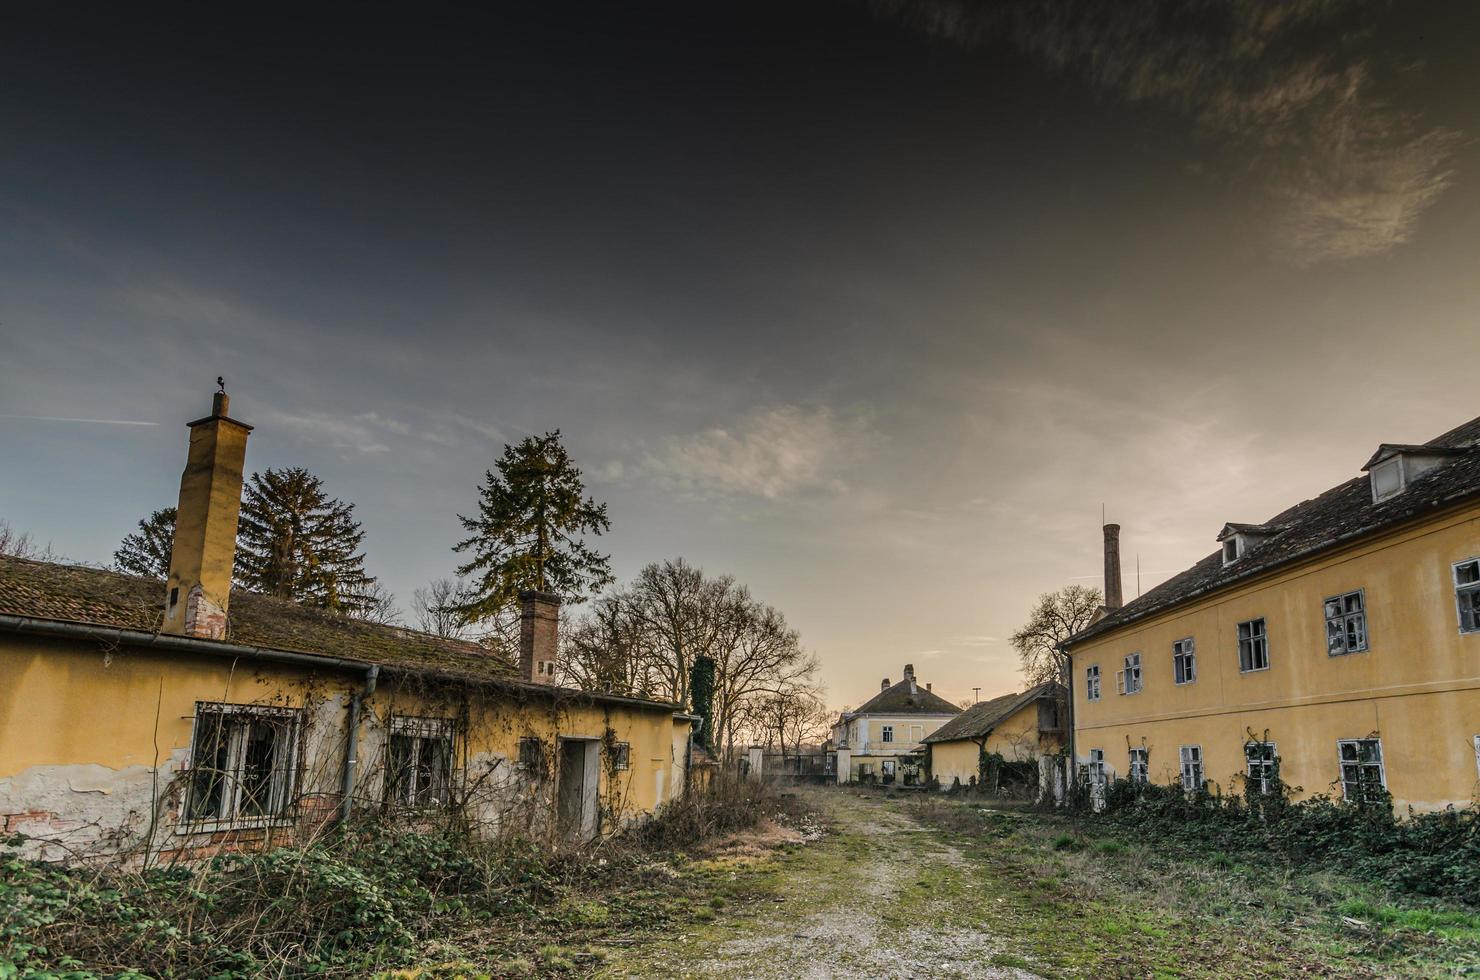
[435, 608]
[374, 604]
[15, 544]
[1056, 617]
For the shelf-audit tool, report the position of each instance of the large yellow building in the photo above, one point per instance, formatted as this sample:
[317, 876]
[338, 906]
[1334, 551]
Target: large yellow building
[1338, 641]
[177, 718]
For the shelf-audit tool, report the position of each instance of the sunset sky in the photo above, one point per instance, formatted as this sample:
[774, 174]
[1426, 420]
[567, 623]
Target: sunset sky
[871, 305]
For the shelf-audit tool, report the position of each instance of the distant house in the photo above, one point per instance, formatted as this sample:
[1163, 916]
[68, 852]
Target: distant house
[182, 717]
[1020, 728]
[880, 740]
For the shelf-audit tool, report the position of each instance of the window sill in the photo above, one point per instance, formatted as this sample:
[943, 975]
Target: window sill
[1344, 653]
[1253, 670]
[189, 828]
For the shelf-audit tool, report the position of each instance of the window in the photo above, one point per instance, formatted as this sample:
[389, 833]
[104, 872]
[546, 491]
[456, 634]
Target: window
[1092, 683]
[532, 756]
[1192, 768]
[1362, 778]
[1346, 624]
[1253, 646]
[917, 732]
[1232, 550]
[242, 762]
[1184, 661]
[419, 762]
[1261, 760]
[1096, 767]
[888, 733]
[1140, 769]
[1467, 594]
[1129, 680]
[621, 755]
[544, 668]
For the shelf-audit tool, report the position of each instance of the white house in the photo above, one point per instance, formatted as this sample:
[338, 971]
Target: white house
[883, 738]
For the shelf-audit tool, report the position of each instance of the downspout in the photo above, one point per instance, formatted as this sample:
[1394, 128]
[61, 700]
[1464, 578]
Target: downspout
[1068, 679]
[352, 742]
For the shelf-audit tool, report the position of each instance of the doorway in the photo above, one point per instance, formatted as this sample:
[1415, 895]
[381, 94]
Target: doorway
[576, 800]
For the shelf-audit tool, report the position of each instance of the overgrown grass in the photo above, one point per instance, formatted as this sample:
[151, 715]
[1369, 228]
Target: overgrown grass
[372, 898]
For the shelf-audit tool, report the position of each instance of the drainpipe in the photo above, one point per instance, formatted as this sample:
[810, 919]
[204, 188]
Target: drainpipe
[1067, 677]
[352, 742]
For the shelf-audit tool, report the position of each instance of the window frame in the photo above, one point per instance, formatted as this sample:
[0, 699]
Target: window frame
[1184, 661]
[886, 733]
[1262, 637]
[525, 765]
[1138, 766]
[1461, 591]
[1342, 763]
[621, 756]
[1187, 763]
[1092, 690]
[1343, 620]
[421, 731]
[1096, 767]
[1266, 765]
[284, 777]
[1132, 668]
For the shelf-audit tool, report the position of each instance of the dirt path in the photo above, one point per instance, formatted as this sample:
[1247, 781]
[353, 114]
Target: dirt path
[879, 897]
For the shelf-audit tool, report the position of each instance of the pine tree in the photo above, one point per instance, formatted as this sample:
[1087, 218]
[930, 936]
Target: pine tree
[528, 531]
[295, 542]
[147, 553]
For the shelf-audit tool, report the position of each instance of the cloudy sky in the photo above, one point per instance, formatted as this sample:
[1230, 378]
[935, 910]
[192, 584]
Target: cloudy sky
[872, 305]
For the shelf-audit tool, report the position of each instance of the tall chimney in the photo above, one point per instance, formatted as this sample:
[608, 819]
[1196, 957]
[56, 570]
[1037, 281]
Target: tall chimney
[199, 585]
[539, 636]
[1112, 567]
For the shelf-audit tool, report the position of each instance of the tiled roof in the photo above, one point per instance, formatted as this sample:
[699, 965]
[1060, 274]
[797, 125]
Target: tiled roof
[979, 719]
[901, 700]
[97, 597]
[1338, 516]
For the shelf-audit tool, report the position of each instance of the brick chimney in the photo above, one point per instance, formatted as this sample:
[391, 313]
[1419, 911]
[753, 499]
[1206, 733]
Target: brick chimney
[884, 684]
[1113, 599]
[539, 636]
[199, 585]
[909, 675]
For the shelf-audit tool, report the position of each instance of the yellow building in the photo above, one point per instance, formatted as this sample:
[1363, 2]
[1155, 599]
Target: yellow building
[1338, 641]
[181, 717]
[884, 739]
[1018, 728]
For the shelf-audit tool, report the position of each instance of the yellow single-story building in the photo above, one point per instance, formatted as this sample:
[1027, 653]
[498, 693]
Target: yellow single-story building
[180, 718]
[1015, 728]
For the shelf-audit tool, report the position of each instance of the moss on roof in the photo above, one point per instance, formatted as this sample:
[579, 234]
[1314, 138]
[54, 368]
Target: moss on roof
[978, 720]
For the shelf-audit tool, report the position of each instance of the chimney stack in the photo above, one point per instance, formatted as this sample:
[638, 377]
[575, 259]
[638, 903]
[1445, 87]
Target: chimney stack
[539, 636]
[204, 551]
[884, 684]
[929, 686]
[1112, 567]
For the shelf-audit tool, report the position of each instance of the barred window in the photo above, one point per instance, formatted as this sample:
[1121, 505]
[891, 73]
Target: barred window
[1192, 768]
[621, 755]
[419, 762]
[1184, 661]
[1362, 776]
[243, 761]
[1140, 767]
[1253, 646]
[1092, 683]
[1346, 624]
[1467, 594]
[1261, 761]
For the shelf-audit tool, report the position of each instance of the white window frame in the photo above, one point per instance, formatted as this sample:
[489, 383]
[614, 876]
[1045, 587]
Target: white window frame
[1191, 759]
[1233, 549]
[1341, 617]
[236, 720]
[1092, 682]
[1467, 591]
[1261, 638]
[1138, 769]
[1096, 768]
[1342, 762]
[421, 732]
[886, 733]
[1264, 765]
[1129, 680]
[1184, 661]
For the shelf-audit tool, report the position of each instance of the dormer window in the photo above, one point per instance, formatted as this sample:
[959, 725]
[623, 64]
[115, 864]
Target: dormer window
[1232, 549]
[1238, 539]
[1393, 467]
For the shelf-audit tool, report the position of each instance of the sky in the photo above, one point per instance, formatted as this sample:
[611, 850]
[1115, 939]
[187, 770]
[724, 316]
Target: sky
[874, 306]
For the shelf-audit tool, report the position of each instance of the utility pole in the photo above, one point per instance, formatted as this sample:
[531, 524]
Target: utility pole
[976, 695]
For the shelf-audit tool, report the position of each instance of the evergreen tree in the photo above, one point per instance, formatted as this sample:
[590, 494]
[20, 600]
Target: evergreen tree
[701, 694]
[295, 542]
[147, 553]
[528, 531]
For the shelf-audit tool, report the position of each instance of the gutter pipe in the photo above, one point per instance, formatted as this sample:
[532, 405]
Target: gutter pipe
[352, 742]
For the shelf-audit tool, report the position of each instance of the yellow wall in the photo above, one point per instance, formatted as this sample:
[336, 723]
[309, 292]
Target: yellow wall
[1417, 685]
[950, 761]
[1015, 738]
[81, 729]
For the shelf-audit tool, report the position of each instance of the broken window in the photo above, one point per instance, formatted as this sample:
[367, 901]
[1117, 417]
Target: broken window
[1140, 766]
[242, 762]
[419, 762]
[1253, 646]
[1096, 767]
[1261, 761]
[1346, 624]
[532, 756]
[1362, 776]
[888, 735]
[1467, 594]
[1092, 683]
[621, 755]
[1192, 768]
[1184, 661]
[1128, 681]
